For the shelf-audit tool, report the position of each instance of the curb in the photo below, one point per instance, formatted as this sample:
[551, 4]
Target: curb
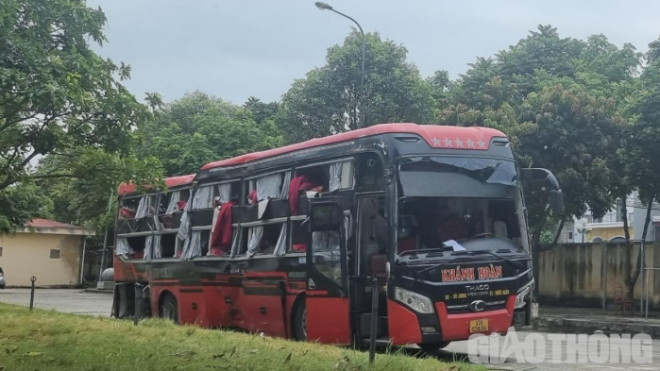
[573, 325]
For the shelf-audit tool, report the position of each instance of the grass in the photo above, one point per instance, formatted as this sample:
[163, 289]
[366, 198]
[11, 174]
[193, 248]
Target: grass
[48, 340]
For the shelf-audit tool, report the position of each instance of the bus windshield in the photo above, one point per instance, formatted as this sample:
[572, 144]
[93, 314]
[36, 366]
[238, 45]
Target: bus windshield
[459, 204]
[457, 176]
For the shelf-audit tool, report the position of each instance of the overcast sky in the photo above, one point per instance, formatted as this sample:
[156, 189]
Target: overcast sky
[234, 49]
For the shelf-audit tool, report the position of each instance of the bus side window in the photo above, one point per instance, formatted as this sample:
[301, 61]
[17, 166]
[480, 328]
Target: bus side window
[240, 240]
[299, 236]
[128, 207]
[369, 173]
[167, 245]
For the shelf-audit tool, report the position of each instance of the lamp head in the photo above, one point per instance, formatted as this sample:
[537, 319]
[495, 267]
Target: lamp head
[323, 6]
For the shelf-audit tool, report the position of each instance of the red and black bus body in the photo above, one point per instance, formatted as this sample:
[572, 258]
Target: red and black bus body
[405, 177]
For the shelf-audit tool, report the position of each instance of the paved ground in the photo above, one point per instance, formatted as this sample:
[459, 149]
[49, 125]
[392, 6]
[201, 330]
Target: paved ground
[515, 353]
[589, 320]
[500, 349]
[64, 300]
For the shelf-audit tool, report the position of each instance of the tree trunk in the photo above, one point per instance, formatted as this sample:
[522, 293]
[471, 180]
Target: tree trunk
[624, 217]
[558, 233]
[632, 279]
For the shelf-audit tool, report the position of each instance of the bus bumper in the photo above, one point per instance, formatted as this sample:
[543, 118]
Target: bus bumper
[458, 326]
[407, 327]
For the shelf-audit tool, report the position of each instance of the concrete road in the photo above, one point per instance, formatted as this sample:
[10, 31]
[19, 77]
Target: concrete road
[527, 350]
[75, 301]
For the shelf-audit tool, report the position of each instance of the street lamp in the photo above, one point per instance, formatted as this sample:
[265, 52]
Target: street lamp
[325, 6]
[582, 227]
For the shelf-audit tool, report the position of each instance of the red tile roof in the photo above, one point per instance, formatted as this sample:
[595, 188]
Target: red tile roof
[45, 223]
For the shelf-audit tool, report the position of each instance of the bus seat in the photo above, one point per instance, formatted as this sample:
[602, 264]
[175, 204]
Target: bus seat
[299, 247]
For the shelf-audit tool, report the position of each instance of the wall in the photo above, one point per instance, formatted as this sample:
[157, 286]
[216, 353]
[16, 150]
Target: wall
[28, 254]
[585, 274]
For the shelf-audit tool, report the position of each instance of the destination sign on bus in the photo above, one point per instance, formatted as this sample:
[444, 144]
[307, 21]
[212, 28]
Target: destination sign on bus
[468, 274]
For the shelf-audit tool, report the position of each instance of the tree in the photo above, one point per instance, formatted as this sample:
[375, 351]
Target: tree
[199, 128]
[57, 97]
[325, 101]
[154, 101]
[642, 154]
[261, 112]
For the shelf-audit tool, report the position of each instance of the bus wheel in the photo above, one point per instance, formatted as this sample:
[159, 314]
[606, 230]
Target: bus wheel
[433, 347]
[168, 308]
[300, 321]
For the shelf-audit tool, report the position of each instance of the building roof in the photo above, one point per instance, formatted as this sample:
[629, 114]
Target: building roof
[46, 223]
[456, 137]
[40, 225]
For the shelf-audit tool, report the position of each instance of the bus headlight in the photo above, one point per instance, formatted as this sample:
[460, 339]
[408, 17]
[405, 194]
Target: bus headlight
[522, 294]
[417, 302]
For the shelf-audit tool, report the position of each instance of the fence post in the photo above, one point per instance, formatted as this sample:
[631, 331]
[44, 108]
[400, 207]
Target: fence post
[33, 279]
[642, 258]
[603, 272]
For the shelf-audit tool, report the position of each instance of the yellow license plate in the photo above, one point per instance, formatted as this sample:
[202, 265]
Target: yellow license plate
[479, 325]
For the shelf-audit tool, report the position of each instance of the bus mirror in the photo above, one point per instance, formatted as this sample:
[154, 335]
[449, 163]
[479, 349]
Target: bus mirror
[542, 178]
[326, 216]
[557, 202]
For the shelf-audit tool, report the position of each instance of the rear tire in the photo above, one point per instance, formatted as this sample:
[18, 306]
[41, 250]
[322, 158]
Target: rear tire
[300, 321]
[168, 308]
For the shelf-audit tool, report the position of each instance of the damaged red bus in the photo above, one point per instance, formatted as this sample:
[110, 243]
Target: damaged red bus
[288, 241]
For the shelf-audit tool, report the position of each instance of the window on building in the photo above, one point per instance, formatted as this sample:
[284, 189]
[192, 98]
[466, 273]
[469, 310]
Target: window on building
[54, 253]
[0, 251]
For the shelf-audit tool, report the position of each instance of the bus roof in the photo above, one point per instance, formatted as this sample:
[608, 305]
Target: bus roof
[457, 137]
[174, 181]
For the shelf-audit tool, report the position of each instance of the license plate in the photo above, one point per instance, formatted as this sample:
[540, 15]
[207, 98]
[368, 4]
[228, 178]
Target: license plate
[479, 325]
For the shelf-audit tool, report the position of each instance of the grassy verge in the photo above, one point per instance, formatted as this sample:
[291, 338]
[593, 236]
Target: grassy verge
[48, 340]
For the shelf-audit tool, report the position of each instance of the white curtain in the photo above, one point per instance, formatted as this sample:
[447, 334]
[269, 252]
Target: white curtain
[148, 247]
[235, 242]
[255, 235]
[194, 247]
[123, 248]
[335, 176]
[143, 207]
[340, 175]
[280, 246]
[224, 192]
[203, 198]
[157, 249]
[152, 247]
[269, 186]
[174, 198]
[184, 228]
[284, 194]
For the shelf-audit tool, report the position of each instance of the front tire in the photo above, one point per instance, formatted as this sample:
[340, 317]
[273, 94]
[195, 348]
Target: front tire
[300, 321]
[168, 308]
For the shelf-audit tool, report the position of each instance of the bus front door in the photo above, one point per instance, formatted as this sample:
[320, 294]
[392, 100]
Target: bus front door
[327, 300]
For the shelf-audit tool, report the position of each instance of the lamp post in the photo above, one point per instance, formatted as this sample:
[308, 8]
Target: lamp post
[325, 6]
[582, 227]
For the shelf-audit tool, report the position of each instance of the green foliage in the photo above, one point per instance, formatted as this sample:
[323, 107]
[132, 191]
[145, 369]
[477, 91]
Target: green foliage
[642, 153]
[329, 99]
[561, 101]
[58, 97]
[21, 203]
[83, 199]
[199, 128]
